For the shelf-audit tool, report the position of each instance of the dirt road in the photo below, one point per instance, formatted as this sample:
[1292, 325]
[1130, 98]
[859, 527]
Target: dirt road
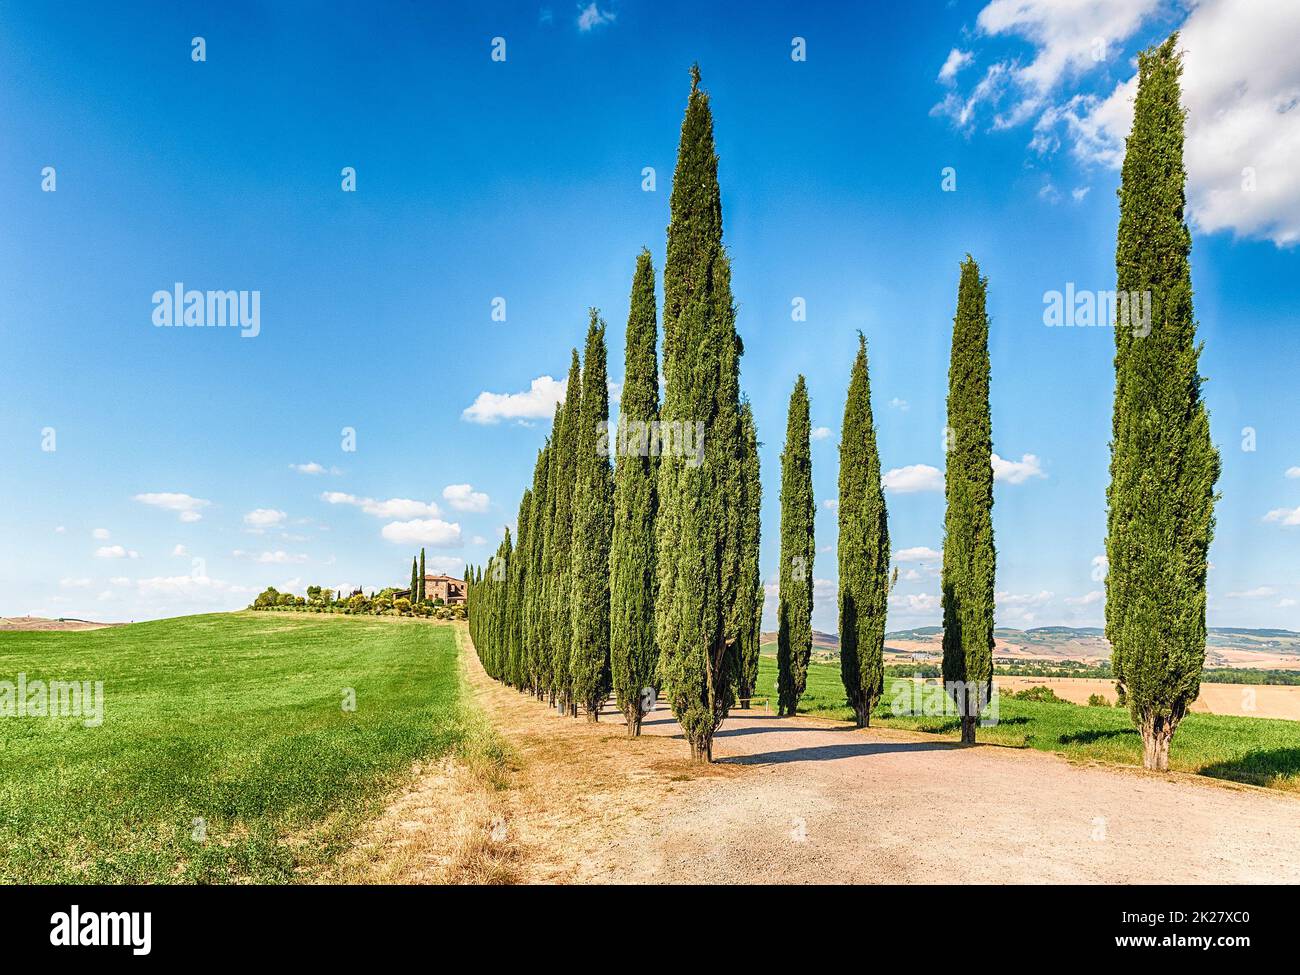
[807, 801]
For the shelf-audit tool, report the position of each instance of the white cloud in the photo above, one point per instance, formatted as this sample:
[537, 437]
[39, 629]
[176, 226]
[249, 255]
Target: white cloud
[389, 508]
[100, 534]
[1293, 472]
[821, 433]
[831, 504]
[1100, 566]
[915, 477]
[1284, 603]
[918, 553]
[115, 552]
[1079, 192]
[478, 540]
[1022, 598]
[463, 497]
[955, 61]
[76, 583]
[189, 586]
[425, 531]
[60, 529]
[180, 551]
[591, 17]
[278, 557]
[1240, 85]
[923, 602]
[537, 403]
[1017, 472]
[261, 519]
[1087, 599]
[185, 505]
[311, 467]
[1259, 592]
[1289, 517]
[901, 405]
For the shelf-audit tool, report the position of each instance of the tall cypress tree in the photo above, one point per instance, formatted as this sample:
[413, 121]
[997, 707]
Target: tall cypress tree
[546, 621]
[593, 523]
[863, 549]
[798, 509]
[633, 652]
[697, 557]
[561, 535]
[423, 594]
[517, 669]
[969, 559]
[415, 585]
[535, 618]
[749, 597]
[1163, 464]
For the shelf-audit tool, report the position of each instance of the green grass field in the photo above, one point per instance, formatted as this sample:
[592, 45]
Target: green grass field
[1260, 751]
[235, 719]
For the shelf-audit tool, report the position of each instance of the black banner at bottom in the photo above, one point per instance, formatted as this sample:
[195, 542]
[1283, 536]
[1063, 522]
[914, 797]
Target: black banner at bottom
[140, 925]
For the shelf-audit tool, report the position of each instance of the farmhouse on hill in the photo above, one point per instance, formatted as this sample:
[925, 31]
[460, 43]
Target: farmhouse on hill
[447, 588]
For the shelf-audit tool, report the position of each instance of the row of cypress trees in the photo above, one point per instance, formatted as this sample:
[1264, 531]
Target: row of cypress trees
[646, 578]
[417, 579]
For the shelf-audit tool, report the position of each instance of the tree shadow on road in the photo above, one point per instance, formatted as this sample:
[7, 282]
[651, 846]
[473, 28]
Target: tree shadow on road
[829, 753]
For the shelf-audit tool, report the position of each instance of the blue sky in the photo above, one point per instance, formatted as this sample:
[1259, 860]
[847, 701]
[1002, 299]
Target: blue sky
[179, 478]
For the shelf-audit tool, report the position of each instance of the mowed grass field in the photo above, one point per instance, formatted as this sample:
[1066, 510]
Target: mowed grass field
[225, 754]
[1259, 751]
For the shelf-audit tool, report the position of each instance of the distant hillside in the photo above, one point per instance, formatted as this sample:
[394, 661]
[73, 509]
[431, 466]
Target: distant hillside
[1225, 646]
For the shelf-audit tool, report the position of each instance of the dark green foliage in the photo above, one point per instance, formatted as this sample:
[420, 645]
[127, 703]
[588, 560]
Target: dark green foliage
[700, 507]
[593, 522]
[749, 596]
[798, 549]
[415, 581]
[537, 657]
[1163, 464]
[516, 666]
[969, 559]
[634, 656]
[863, 549]
[565, 445]
[421, 595]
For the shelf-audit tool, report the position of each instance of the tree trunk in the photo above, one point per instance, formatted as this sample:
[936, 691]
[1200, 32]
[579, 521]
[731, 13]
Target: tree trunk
[702, 751]
[863, 717]
[968, 729]
[633, 716]
[1157, 732]
[593, 714]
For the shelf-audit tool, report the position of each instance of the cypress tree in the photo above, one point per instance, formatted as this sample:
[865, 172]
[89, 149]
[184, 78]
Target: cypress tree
[546, 620]
[593, 522]
[1163, 465]
[749, 598]
[863, 549]
[538, 661]
[561, 535]
[415, 586]
[423, 593]
[517, 669]
[697, 559]
[798, 509]
[634, 656]
[969, 559]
